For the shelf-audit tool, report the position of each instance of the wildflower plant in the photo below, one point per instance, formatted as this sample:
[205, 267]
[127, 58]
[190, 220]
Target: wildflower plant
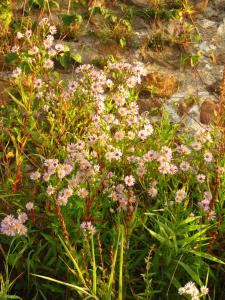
[100, 180]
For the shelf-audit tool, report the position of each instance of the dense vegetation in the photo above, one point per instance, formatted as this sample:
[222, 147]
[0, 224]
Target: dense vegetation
[98, 199]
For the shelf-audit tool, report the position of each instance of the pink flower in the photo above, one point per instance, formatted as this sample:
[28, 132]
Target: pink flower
[129, 180]
[164, 168]
[48, 63]
[22, 217]
[33, 50]
[50, 190]
[143, 134]
[197, 146]
[208, 156]
[52, 29]
[141, 171]
[59, 47]
[119, 100]
[62, 200]
[19, 35]
[180, 195]
[38, 83]
[200, 178]
[35, 175]
[173, 169]
[184, 166]
[117, 154]
[152, 192]
[149, 156]
[82, 193]
[119, 135]
[30, 205]
[17, 72]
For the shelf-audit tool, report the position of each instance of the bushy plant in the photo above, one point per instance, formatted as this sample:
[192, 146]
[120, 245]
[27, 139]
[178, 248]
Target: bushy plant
[93, 184]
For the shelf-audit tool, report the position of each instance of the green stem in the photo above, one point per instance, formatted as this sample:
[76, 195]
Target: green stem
[94, 265]
[121, 266]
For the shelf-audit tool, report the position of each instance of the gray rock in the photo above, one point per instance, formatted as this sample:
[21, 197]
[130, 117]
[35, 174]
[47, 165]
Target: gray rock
[139, 37]
[221, 29]
[205, 23]
[191, 124]
[210, 12]
[194, 111]
[168, 108]
[87, 53]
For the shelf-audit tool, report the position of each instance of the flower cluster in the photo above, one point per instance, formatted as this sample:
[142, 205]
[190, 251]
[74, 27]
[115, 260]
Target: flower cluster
[191, 290]
[12, 226]
[116, 154]
[205, 206]
[88, 227]
[40, 54]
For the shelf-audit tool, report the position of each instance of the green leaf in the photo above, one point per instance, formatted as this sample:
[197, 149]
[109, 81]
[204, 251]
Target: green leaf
[49, 238]
[207, 256]
[11, 297]
[73, 260]
[65, 60]
[122, 42]
[10, 57]
[160, 238]
[189, 270]
[69, 19]
[72, 286]
[17, 101]
[76, 57]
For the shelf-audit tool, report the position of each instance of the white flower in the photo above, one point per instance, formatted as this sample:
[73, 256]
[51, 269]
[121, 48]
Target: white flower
[28, 33]
[50, 190]
[52, 29]
[19, 35]
[48, 63]
[180, 195]
[152, 192]
[48, 41]
[129, 180]
[82, 193]
[208, 156]
[29, 205]
[59, 47]
[35, 175]
[33, 50]
[52, 52]
[204, 290]
[200, 178]
[17, 72]
[38, 83]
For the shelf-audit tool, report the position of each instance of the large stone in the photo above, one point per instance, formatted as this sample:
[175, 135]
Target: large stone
[161, 85]
[205, 23]
[186, 105]
[221, 29]
[209, 111]
[149, 104]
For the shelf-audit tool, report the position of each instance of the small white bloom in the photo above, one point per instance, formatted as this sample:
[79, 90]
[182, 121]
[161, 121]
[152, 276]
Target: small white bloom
[29, 205]
[129, 180]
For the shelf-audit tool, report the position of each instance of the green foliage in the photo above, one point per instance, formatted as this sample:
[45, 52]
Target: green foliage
[115, 206]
